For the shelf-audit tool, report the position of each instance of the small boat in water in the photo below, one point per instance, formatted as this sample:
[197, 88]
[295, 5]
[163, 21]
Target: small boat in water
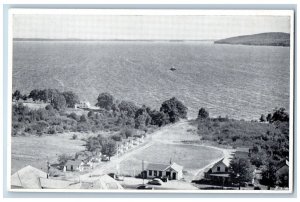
[172, 68]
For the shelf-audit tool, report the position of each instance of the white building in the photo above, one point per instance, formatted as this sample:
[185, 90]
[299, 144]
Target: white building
[83, 105]
[172, 171]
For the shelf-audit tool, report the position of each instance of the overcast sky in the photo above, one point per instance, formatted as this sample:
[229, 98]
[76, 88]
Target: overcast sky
[144, 27]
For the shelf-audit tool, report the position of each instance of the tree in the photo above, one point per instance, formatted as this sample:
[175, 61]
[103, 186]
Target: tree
[105, 100]
[71, 98]
[59, 102]
[280, 115]
[83, 118]
[16, 95]
[203, 114]
[93, 144]
[269, 117]
[24, 97]
[34, 94]
[269, 174]
[74, 116]
[128, 108]
[262, 118]
[175, 109]
[109, 148]
[242, 170]
[63, 158]
[142, 118]
[91, 114]
[159, 118]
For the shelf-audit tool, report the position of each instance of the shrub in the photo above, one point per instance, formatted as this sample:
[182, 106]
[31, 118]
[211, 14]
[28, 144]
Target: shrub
[52, 130]
[116, 137]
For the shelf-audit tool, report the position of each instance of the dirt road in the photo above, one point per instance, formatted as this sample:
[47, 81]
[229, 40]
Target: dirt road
[170, 134]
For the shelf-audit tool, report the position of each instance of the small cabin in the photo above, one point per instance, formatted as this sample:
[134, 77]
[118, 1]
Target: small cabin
[73, 165]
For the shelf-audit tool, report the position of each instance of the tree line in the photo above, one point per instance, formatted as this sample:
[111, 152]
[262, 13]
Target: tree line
[59, 100]
[268, 141]
[114, 115]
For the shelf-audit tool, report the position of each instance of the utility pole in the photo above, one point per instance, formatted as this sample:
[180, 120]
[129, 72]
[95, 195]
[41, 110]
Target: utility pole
[143, 171]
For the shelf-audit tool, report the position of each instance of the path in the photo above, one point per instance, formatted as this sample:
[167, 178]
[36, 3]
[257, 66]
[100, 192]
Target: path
[170, 134]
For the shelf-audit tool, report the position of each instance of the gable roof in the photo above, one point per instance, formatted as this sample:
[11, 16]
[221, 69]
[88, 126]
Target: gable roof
[163, 167]
[99, 182]
[73, 162]
[222, 161]
[157, 166]
[59, 184]
[242, 149]
[176, 167]
[28, 178]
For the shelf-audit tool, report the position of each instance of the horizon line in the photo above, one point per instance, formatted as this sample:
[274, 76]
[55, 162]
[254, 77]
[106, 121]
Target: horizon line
[79, 39]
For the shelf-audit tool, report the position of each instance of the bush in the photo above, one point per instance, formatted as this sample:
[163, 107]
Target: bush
[116, 138]
[52, 130]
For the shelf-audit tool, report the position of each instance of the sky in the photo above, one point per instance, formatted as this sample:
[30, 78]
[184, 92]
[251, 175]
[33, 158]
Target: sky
[147, 27]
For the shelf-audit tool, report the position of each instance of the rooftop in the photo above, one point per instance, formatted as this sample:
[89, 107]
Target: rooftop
[162, 167]
[28, 178]
[59, 184]
[73, 162]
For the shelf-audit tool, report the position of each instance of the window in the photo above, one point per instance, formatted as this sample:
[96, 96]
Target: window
[150, 172]
[155, 173]
[218, 168]
[160, 173]
[226, 169]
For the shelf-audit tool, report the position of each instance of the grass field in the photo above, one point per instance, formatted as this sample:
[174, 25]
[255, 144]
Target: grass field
[35, 150]
[191, 157]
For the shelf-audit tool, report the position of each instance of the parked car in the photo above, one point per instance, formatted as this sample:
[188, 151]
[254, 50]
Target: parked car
[164, 179]
[143, 186]
[156, 181]
[257, 188]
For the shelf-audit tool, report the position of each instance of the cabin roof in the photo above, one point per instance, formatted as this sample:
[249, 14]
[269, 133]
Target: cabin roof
[100, 182]
[242, 149]
[28, 178]
[59, 184]
[74, 162]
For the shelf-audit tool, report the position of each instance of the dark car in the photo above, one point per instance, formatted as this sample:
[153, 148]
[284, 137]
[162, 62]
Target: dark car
[156, 182]
[143, 186]
[164, 179]
[257, 188]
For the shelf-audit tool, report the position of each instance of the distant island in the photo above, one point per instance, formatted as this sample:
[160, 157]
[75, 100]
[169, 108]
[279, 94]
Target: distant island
[263, 39]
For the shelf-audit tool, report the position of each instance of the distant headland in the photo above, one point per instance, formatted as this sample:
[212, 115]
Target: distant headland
[263, 39]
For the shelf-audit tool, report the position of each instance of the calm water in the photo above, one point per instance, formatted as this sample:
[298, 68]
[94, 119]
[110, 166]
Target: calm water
[239, 81]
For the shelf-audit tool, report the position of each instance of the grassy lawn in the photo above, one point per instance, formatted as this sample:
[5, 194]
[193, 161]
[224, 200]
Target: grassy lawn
[34, 150]
[191, 157]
